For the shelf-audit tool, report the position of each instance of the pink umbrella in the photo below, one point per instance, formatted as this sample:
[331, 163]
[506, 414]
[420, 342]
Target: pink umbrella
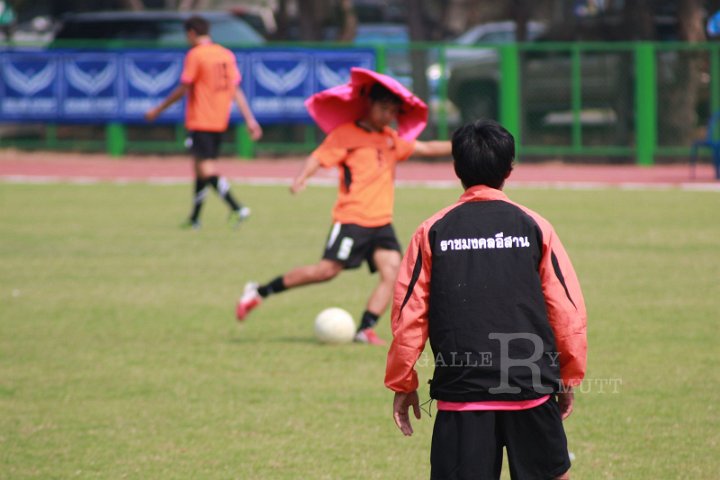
[348, 103]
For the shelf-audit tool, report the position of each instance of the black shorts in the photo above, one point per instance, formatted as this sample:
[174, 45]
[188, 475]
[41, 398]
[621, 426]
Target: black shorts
[350, 244]
[469, 444]
[205, 145]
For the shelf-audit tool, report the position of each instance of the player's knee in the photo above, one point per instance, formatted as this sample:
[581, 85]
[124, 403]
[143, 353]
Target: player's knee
[564, 476]
[327, 271]
[390, 266]
[394, 260]
[205, 168]
[391, 273]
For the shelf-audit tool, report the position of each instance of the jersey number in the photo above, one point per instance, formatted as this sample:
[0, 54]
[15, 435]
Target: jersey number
[222, 77]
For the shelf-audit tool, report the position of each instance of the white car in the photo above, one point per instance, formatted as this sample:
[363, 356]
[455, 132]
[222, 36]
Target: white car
[468, 46]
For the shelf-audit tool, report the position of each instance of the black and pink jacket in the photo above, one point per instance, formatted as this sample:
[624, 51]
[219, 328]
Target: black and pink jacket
[488, 282]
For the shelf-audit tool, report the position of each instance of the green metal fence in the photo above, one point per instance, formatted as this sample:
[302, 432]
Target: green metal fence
[616, 102]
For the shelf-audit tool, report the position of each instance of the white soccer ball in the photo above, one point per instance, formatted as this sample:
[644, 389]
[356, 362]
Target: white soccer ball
[334, 325]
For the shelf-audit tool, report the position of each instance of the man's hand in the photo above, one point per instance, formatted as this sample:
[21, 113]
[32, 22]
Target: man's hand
[178, 93]
[152, 114]
[298, 185]
[565, 402]
[309, 168]
[401, 406]
[255, 131]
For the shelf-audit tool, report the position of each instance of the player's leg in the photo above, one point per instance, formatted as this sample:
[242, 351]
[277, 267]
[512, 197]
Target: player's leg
[254, 294]
[384, 257]
[536, 442]
[322, 271]
[202, 151]
[201, 188]
[387, 263]
[238, 212]
[465, 445]
[346, 247]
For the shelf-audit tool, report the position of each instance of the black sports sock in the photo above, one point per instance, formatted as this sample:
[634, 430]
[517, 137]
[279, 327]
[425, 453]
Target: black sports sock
[221, 185]
[275, 286]
[368, 320]
[199, 199]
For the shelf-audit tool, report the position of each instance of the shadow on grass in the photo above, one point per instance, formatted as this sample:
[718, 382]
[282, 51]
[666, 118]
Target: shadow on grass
[288, 340]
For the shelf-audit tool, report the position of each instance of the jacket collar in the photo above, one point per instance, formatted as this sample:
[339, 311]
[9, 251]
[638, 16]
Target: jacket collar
[482, 193]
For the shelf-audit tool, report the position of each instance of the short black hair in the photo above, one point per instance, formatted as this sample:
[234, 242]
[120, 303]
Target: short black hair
[483, 153]
[197, 24]
[380, 93]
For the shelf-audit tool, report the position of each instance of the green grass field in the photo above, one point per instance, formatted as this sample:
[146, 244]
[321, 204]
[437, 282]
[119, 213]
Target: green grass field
[120, 356]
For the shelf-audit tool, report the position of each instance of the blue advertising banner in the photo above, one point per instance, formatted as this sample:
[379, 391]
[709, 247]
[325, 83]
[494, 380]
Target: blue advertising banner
[278, 85]
[148, 80]
[29, 86]
[121, 85]
[91, 89]
[333, 68]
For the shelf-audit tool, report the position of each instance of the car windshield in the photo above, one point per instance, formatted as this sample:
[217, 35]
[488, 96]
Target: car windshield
[229, 31]
[108, 30]
[382, 35]
[162, 31]
[472, 37]
[482, 34]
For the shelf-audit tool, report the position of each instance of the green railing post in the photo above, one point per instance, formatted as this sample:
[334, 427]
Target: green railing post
[115, 139]
[443, 131]
[309, 141]
[576, 98]
[381, 58]
[715, 81]
[245, 148]
[510, 89]
[51, 138]
[180, 136]
[646, 108]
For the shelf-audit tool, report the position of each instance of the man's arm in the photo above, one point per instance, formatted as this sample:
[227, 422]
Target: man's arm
[434, 148]
[309, 168]
[565, 307]
[174, 96]
[252, 125]
[410, 331]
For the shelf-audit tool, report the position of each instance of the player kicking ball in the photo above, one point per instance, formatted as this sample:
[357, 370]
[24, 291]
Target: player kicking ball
[365, 150]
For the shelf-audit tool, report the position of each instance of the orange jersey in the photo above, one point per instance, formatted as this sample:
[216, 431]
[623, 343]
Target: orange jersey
[366, 161]
[211, 72]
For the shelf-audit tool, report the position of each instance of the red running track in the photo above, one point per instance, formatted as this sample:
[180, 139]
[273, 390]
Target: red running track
[21, 166]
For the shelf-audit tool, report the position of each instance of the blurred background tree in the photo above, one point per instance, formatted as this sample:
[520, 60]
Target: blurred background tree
[434, 20]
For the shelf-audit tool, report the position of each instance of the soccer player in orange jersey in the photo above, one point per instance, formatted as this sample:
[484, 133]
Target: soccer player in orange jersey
[211, 80]
[365, 152]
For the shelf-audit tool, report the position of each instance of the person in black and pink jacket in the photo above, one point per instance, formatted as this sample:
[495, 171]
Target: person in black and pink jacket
[489, 283]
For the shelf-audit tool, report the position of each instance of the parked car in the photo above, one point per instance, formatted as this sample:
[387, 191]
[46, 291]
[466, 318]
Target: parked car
[470, 47]
[394, 37]
[473, 74]
[498, 32]
[157, 28]
[470, 51]
[606, 77]
[38, 31]
[262, 19]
